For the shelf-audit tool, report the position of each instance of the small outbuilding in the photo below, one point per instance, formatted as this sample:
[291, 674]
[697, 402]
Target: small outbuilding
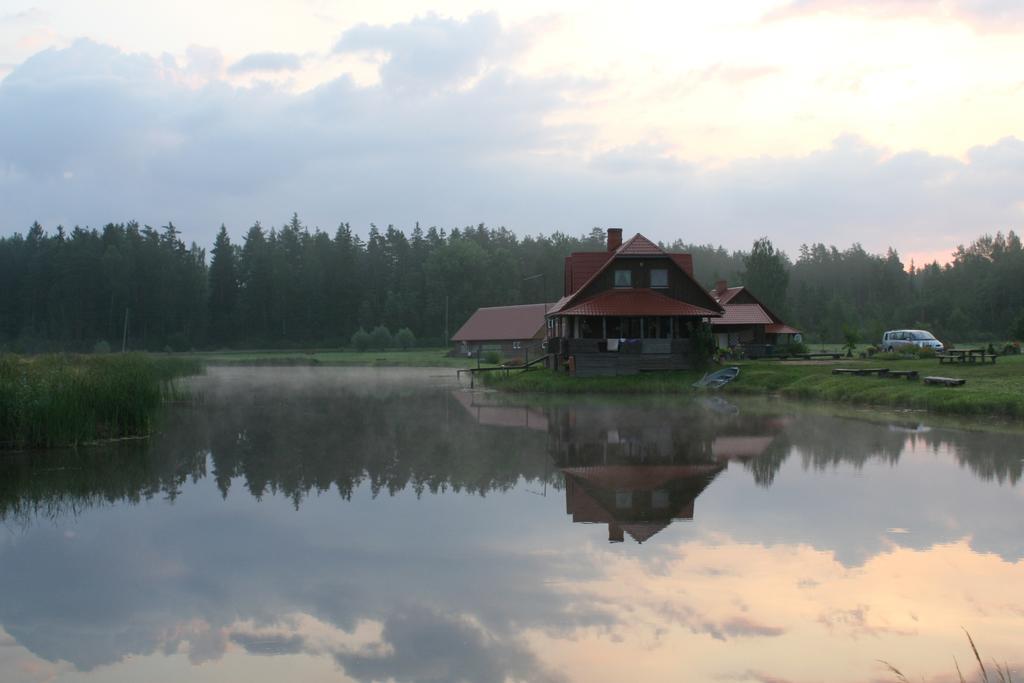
[747, 322]
[515, 332]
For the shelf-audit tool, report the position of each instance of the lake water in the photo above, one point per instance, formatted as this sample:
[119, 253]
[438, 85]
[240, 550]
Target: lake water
[373, 525]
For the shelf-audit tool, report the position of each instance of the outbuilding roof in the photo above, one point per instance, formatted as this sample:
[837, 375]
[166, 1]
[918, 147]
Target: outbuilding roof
[743, 314]
[777, 328]
[503, 323]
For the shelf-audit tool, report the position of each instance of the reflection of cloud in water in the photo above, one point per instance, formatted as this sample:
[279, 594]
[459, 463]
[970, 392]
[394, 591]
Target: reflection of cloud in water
[422, 644]
[762, 611]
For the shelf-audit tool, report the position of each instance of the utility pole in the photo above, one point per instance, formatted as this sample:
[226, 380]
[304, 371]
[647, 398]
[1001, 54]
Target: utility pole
[124, 335]
[446, 320]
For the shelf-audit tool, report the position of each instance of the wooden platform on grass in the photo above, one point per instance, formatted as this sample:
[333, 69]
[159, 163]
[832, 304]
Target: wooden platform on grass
[881, 372]
[972, 356]
[945, 381]
[861, 371]
[902, 374]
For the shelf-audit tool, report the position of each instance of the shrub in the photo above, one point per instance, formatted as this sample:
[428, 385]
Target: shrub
[380, 338]
[405, 339]
[492, 357]
[101, 347]
[360, 340]
[702, 344]
[791, 349]
[851, 337]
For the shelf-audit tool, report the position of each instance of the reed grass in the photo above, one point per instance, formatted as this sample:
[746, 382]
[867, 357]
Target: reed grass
[66, 400]
[1002, 671]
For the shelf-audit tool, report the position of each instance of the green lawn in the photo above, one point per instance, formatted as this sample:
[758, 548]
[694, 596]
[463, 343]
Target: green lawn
[393, 358]
[991, 390]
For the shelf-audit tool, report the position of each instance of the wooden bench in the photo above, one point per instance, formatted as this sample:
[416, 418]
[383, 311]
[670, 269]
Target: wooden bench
[898, 374]
[945, 381]
[881, 372]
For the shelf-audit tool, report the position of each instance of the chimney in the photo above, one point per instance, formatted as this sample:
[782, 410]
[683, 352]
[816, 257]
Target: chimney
[615, 534]
[721, 286]
[614, 238]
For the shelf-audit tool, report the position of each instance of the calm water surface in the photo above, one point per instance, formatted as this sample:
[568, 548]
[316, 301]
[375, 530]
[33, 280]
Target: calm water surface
[374, 525]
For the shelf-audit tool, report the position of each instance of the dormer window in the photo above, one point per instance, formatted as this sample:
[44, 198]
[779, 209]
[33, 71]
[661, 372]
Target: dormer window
[659, 277]
[623, 278]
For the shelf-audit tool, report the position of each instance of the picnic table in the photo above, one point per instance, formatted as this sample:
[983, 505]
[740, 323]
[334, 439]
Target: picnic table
[966, 356]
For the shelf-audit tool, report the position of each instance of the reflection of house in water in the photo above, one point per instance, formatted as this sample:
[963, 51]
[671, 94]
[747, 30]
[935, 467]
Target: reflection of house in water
[631, 467]
[636, 468]
[488, 411]
[639, 500]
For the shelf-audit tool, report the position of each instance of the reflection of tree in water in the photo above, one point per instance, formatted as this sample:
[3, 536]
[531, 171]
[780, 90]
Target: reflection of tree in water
[421, 442]
[300, 442]
[989, 455]
[823, 442]
[293, 446]
[58, 483]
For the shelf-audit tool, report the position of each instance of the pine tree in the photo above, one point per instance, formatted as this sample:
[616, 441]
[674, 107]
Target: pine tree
[223, 297]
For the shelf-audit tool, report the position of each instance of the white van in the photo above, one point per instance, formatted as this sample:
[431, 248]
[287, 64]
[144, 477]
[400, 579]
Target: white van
[893, 340]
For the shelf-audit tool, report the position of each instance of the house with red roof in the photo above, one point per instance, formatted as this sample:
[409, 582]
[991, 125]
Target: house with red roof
[515, 332]
[748, 323]
[630, 308]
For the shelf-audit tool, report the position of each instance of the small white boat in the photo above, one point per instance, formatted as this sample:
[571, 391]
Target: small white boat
[717, 379]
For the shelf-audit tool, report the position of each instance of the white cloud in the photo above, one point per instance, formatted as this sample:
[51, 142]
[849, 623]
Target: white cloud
[267, 61]
[451, 135]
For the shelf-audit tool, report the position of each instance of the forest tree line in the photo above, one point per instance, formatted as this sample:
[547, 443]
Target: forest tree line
[290, 287]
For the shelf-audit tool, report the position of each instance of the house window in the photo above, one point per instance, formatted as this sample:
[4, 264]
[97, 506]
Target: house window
[659, 277]
[623, 278]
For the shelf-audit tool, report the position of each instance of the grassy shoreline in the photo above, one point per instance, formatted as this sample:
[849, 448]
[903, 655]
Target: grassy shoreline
[65, 400]
[990, 391]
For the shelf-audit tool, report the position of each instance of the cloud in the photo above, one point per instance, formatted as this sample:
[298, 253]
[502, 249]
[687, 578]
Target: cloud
[982, 15]
[431, 51]
[270, 643]
[267, 62]
[737, 626]
[450, 136]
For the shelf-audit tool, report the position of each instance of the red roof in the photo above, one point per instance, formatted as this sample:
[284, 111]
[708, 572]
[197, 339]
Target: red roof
[583, 267]
[743, 314]
[504, 323]
[638, 245]
[684, 261]
[726, 296]
[630, 302]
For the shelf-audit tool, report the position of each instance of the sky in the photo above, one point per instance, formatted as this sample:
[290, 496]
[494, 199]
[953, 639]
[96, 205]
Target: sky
[887, 123]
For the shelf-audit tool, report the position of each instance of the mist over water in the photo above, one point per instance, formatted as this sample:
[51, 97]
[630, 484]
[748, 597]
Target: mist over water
[374, 524]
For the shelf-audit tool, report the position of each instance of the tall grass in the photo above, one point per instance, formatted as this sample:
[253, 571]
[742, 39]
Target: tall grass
[62, 400]
[1003, 672]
